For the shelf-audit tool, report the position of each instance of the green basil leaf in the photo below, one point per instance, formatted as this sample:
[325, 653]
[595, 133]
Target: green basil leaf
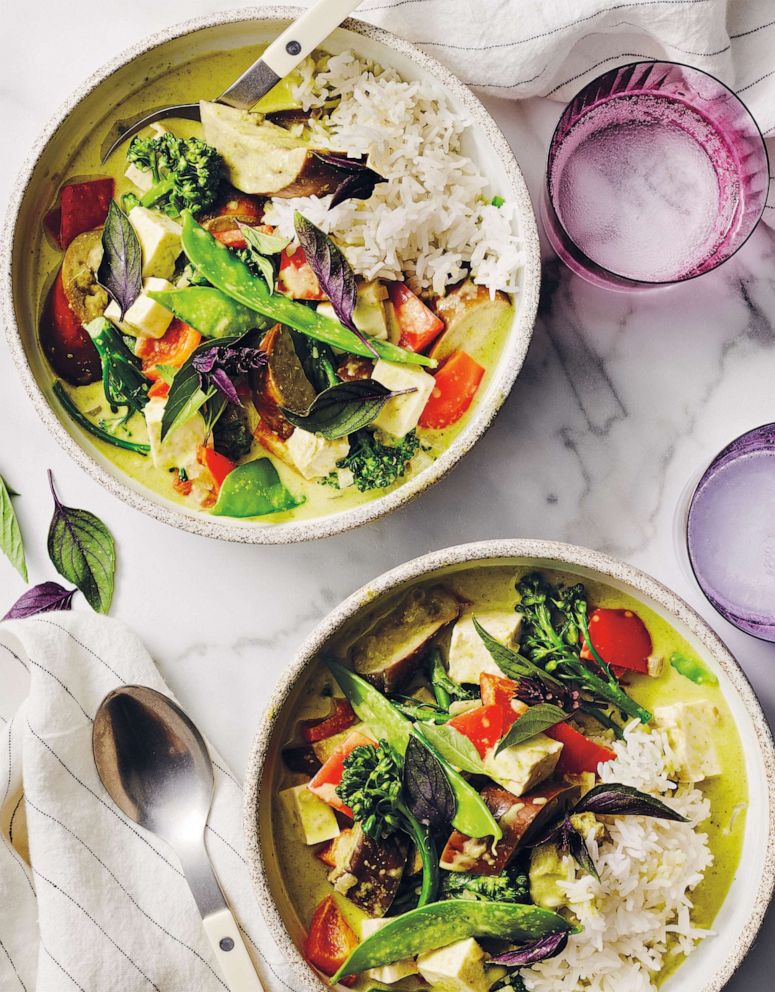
[344, 408]
[454, 747]
[121, 268]
[82, 550]
[266, 269]
[535, 721]
[186, 395]
[264, 244]
[253, 490]
[10, 533]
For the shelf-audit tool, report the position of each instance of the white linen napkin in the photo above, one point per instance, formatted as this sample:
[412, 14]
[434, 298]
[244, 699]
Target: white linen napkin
[89, 901]
[520, 48]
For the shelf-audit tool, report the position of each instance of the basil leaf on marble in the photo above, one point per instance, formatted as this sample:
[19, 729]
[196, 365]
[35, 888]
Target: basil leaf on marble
[11, 542]
[83, 551]
[42, 598]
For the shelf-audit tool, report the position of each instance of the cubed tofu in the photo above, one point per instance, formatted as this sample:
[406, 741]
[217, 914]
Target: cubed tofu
[521, 767]
[179, 448]
[159, 237]
[458, 967]
[369, 313]
[401, 414]
[316, 821]
[325, 748]
[689, 729]
[315, 456]
[468, 657]
[387, 974]
[145, 318]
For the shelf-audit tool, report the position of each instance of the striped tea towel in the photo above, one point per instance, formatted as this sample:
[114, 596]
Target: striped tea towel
[89, 901]
[520, 48]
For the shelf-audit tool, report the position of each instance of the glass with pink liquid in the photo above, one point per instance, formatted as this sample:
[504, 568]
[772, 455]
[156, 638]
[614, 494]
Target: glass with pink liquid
[657, 173]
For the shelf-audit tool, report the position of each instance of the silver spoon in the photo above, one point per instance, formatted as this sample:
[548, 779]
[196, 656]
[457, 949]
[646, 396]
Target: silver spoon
[156, 768]
[282, 56]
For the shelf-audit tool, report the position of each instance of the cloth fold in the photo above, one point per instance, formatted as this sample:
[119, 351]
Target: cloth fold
[89, 900]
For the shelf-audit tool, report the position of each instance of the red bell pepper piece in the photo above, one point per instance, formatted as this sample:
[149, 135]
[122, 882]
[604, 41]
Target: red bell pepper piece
[499, 691]
[248, 208]
[159, 388]
[296, 278]
[340, 718]
[330, 775]
[217, 465]
[620, 638]
[230, 234]
[482, 726]
[579, 753]
[417, 323]
[330, 940]
[82, 207]
[456, 384]
[67, 346]
[172, 348]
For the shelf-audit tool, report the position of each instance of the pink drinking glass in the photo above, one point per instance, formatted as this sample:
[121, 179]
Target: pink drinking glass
[657, 173]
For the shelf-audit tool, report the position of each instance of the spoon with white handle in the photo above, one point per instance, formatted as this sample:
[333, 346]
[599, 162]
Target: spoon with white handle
[281, 57]
[156, 768]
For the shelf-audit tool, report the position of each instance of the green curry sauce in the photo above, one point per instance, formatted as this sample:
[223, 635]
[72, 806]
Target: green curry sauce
[492, 587]
[204, 77]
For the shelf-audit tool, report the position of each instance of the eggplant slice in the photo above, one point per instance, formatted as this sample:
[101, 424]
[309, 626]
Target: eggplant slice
[368, 871]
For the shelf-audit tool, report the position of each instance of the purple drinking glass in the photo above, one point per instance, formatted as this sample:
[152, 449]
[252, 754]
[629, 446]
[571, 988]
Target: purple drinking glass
[728, 530]
[657, 173]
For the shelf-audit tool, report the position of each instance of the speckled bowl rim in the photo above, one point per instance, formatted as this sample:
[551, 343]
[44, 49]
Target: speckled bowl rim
[556, 555]
[326, 526]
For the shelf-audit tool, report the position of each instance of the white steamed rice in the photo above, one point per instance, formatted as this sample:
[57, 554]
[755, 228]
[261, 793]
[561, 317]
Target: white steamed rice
[433, 216]
[642, 905]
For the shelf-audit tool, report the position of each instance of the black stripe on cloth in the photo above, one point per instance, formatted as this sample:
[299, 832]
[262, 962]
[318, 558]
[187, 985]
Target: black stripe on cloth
[126, 892]
[264, 957]
[563, 27]
[17, 859]
[744, 34]
[4, 949]
[62, 968]
[611, 58]
[754, 83]
[99, 926]
[224, 841]
[56, 678]
[390, 6]
[225, 772]
[10, 763]
[13, 654]
[108, 806]
[13, 817]
[80, 644]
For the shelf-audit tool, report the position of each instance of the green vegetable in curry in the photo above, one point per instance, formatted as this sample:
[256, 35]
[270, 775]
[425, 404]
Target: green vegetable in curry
[186, 172]
[252, 490]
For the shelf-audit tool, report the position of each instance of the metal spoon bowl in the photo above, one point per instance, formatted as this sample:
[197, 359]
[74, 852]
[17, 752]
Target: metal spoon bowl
[156, 768]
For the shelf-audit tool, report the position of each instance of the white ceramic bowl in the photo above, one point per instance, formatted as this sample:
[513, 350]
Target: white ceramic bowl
[93, 108]
[714, 961]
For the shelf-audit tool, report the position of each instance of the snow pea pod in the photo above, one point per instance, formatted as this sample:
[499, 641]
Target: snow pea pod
[209, 311]
[472, 815]
[228, 272]
[442, 923]
[253, 490]
[692, 669]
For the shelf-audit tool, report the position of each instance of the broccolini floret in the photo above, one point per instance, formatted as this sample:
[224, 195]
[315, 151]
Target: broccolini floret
[510, 886]
[186, 172]
[375, 465]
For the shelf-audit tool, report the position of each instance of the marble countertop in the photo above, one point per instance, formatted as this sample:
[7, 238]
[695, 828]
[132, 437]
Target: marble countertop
[621, 399]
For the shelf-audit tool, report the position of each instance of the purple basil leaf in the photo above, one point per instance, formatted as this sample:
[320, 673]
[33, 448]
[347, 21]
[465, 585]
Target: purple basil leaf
[121, 269]
[336, 278]
[428, 792]
[43, 598]
[221, 381]
[358, 186]
[613, 799]
[579, 851]
[343, 162]
[537, 950]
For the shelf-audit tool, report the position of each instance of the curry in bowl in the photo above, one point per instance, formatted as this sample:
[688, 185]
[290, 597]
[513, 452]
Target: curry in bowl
[508, 779]
[285, 313]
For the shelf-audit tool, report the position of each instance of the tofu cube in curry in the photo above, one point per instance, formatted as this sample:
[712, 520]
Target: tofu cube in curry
[521, 767]
[314, 819]
[458, 967]
[689, 728]
[468, 657]
[160, 241]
